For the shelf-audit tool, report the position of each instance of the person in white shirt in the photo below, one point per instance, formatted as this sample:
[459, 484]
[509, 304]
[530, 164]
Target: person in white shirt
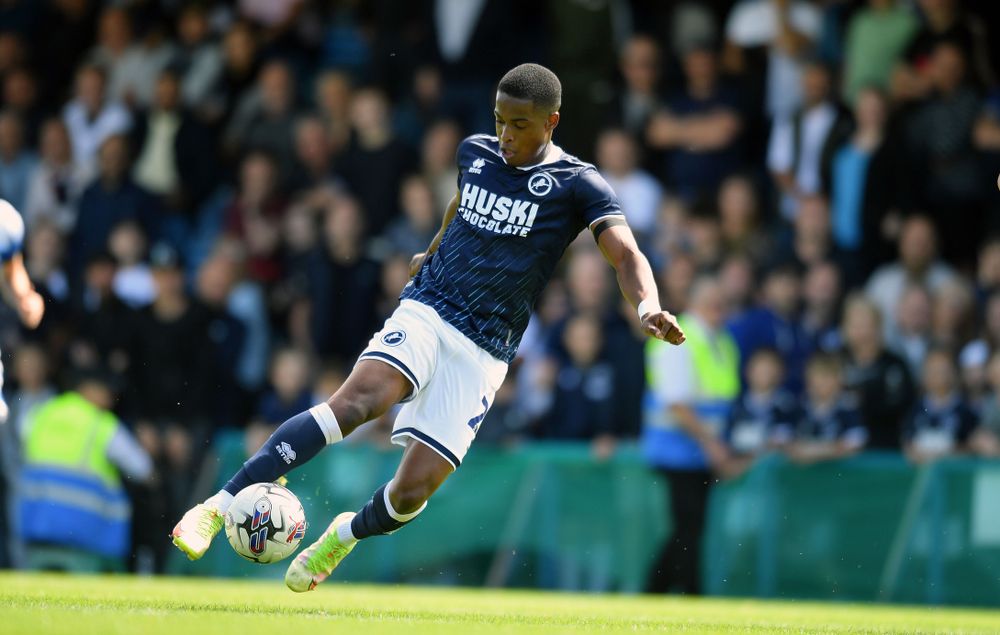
[90, 117]
[639, 192]
[57, 183]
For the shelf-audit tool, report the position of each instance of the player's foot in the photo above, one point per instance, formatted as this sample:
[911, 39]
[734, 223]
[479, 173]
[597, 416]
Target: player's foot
[317, 561]
[194, 533]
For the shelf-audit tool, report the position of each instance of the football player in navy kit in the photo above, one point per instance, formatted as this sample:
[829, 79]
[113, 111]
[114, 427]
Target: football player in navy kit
[444, 352]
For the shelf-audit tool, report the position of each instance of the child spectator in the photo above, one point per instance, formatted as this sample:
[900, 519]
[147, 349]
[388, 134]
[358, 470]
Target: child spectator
[290, 392]
[762, 418]
[830, 427]
[941, 423]
[985, 440]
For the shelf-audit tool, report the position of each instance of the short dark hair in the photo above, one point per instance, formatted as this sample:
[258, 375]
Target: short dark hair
[534, 82]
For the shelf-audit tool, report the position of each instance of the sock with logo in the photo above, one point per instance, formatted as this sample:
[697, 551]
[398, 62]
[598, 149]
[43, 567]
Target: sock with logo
[377, 518]
[292, 444]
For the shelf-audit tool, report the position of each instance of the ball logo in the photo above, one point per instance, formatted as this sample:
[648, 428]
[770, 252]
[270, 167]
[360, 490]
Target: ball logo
[259, 526]
[540, 184]
[393, 338]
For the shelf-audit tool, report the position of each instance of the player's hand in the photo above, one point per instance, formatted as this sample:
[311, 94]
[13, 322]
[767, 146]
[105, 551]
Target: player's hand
[663, 325]
[416, 262]
[31, 309]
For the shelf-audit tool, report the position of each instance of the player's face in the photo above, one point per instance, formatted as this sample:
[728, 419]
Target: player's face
[523, 129]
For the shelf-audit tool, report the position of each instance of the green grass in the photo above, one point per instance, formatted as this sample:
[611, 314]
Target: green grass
[45, 604]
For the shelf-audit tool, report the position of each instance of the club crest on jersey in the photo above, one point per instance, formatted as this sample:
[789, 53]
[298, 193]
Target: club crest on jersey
[477, 166]
[540, 184]
[393, 338]
[498, 214]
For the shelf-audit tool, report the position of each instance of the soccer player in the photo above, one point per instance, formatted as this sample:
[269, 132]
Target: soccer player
[17, 286]
[521, 200]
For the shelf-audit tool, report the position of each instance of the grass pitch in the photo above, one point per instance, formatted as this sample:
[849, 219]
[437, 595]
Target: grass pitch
[45, 604]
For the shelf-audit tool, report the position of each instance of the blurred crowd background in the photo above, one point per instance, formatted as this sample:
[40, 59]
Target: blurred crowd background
[221, 199]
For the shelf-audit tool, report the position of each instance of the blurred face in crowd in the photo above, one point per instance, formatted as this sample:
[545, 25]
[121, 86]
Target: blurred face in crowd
[277, 88]
[11, 135]
[783, 292]
[299, 229]
[239, 49]
[127, 243]
[616, 153]
[947, 67]
[114, 30]
[168, 92]
[333, 93]
[11, 52]
[821, 288]
[988, 271]
[216, 279]
[90, 89]
[870, 110]
[813, 220]
[737, 202]
[45, 247]
[523, 128]
[993, 372]
[55, 143]
[370, 112]
[700, 70]
[99, 275]
[862, 325]
[823, 382]
[19, 89]
[815, 84]
[113, 158]
[427, 85]
[677, 278]
[290, 373]
[708, 302]
[939, 374]
[765, 372]
[417, 201]
[582, 339]
[953, 304]
[312, 144]
[439, 147]
[917, 245]
[913, 316]
[258, 177]
[192, 26]
[640, 64]
[991, 318]
[344, 228]
[31, 368]
[737, 280]
[587, 280]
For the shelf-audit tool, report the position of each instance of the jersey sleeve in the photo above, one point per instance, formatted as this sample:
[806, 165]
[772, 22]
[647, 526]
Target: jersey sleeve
[595, 197]
[11, 231]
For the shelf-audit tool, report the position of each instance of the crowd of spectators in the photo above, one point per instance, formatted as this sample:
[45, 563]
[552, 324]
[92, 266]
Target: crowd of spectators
[222, 198]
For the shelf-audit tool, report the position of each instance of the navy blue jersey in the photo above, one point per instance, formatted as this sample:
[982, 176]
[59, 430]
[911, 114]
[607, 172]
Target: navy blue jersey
[755, 423]
[842, 422]
[940, 425]
[511, 229]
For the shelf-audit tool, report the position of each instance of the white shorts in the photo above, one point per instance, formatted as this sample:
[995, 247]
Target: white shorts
[454, 381]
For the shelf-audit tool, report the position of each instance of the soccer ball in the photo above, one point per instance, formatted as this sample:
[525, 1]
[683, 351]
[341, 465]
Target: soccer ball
[265, 523]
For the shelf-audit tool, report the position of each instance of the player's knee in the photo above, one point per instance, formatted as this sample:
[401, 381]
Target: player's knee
[407, 496]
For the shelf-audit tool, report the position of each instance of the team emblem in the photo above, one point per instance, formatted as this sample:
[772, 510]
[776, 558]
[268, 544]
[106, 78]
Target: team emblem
[540, 184]
[393, 338]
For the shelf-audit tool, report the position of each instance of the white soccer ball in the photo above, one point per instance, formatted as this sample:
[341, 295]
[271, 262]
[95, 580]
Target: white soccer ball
[265, 523]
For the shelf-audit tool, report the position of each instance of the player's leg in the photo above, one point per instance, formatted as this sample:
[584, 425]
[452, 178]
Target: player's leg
[371, 389]
[437, 427]
[420, 473]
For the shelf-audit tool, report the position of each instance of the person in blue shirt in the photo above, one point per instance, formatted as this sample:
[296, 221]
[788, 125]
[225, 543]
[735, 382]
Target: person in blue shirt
[520, 202]
[941, 423]
[830, 425]
[776, 324]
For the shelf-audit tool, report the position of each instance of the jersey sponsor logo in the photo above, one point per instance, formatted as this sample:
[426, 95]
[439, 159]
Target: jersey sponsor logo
[540, 184]
[498, 214]
[394, 338]
[286, 452]
[477, 166]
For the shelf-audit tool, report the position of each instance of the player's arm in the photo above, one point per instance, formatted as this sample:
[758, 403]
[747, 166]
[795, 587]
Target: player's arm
[30, 306]
[449, 214]
[635, 278]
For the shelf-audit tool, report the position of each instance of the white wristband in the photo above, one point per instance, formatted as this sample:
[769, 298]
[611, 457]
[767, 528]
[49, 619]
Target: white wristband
[649, 305]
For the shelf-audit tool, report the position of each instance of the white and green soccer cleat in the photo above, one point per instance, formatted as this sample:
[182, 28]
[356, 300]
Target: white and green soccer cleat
[194, 533]
[317, 561]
